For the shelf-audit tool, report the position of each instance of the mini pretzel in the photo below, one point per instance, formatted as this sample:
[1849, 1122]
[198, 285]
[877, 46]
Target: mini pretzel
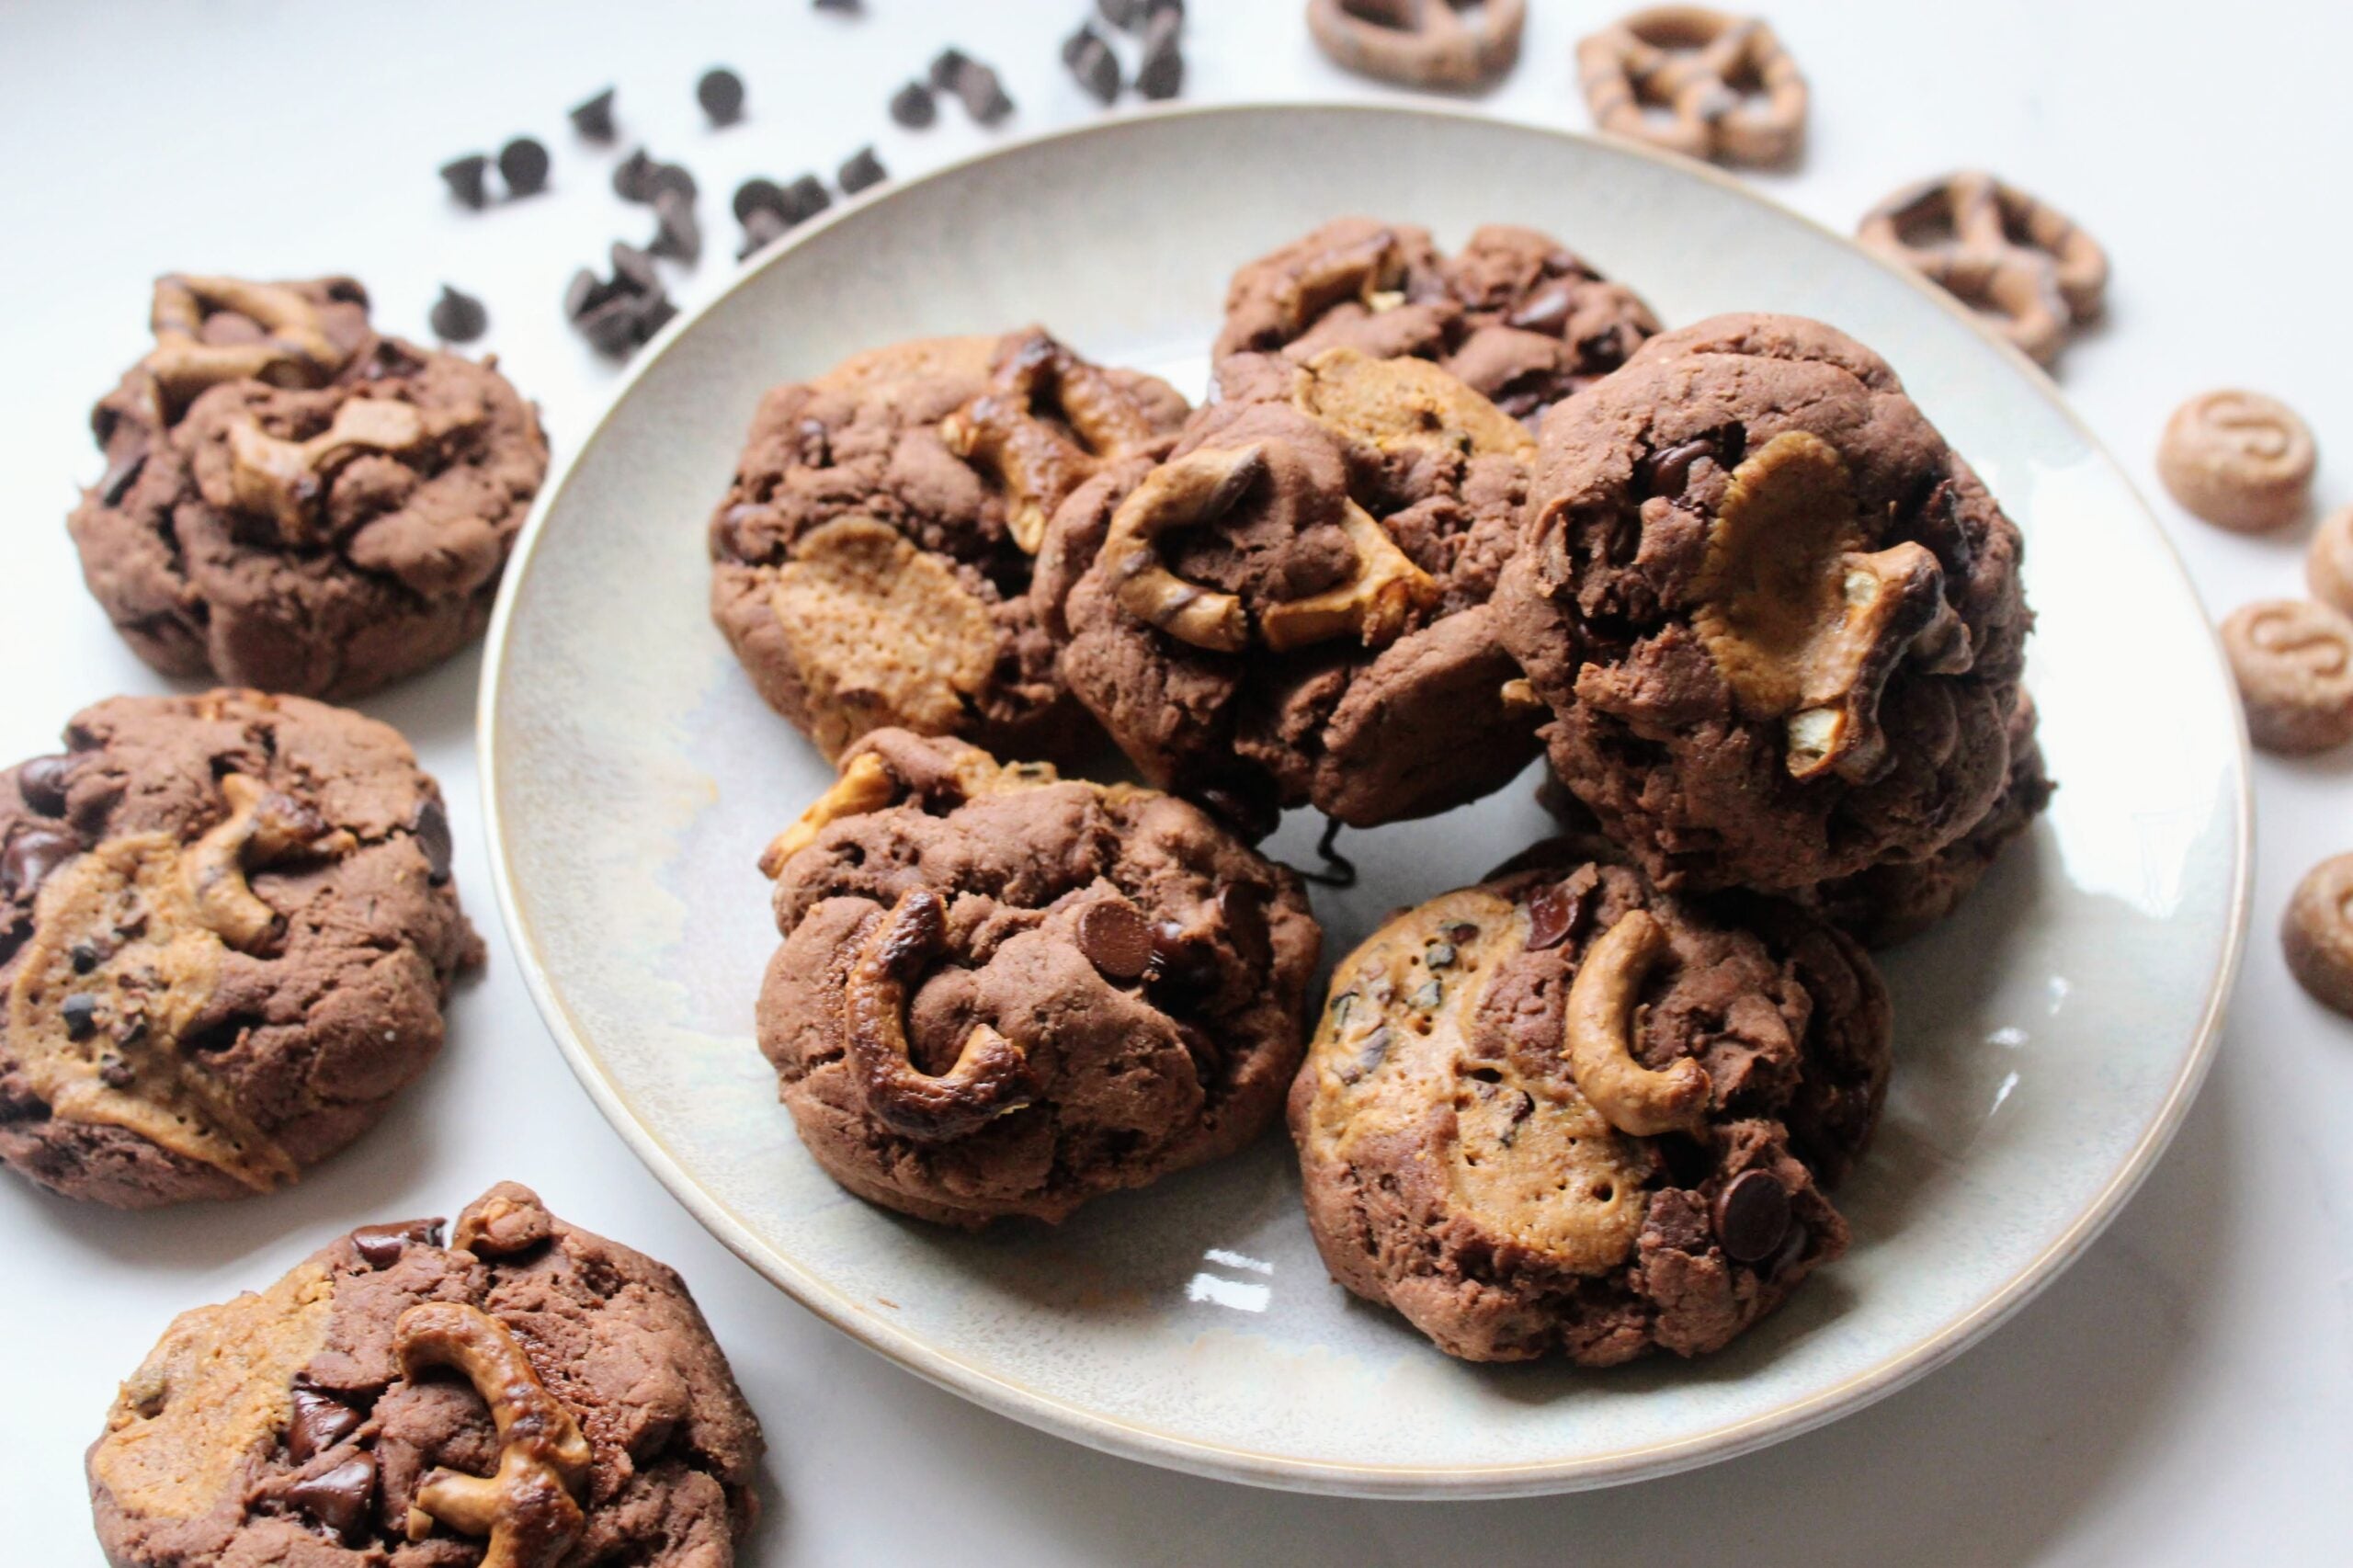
[1994, 246]
[1036, 458]
[1193, 489]
[1423, 43]
[296, 353]
[1374, 603]
[530, 1506]
[1699, 65]
[991, 1074]
[262, 826]
[1598, 1037]
[284, 481]
[867, 784]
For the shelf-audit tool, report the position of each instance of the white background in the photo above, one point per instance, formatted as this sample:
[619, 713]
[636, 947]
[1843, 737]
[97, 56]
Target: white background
[2181, 1396]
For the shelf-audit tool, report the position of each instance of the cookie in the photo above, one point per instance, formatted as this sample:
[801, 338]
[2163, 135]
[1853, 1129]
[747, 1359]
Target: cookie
[2316, 933]
[1562, 1112]
[1514, 314]
[527, 1394]
[2293, 661]
[2328, 561]
[2240, 460]
[296, 503]
[1005, 993]
[873, 560]
[1777, 621]
[1293, 610]
[227, 930]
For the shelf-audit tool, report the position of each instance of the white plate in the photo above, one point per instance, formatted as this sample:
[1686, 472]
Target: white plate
[2050, 1038]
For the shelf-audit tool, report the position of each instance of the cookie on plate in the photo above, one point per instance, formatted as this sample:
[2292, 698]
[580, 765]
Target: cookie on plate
[1777, 621]
[227, 929]
[872, 560]
[1563, 1112]
[1005, 993]
[1293, 608]
[1512, 315]
[528, 1394]
[295, 502]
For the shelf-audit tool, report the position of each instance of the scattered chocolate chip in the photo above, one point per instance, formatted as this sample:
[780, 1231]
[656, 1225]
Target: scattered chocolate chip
[593, 118]
[761, 229]
[633, 175]
[1667, 473]
[432, 831]
[1552, 915]
[912, 107]
[31, 855]
[720, 93]
[119, 477]
[84, 955]
[80, 1011]
[1752, 1215]
[841, 7]
[948, 68]
[653, 315]
[1125, 14]
[320, 1422]
[1160, 74]
[583, 293]
[1093, 64]
[458, 318]
[468, 179]
[43, 780]
[677, 234]
[983, 95]
[1115, 940]
[523, 165]
[340, 1498]
[1544, 313]
[114, 1072]
[806, 196]
[1243, 907]
[379, 1246]
[1460, 931]
[671, 177]
[760, 195]
[633, 270]
[862, 171]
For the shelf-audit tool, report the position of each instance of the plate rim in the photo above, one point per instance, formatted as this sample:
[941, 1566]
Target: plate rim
[1133, 1440]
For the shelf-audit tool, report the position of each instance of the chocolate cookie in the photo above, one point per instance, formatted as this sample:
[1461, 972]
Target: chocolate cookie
[1293, 608]
[1004, 993]
[1514, 314]
[1777, 620]
[296, 503]
[872, 562]
[528, 1395]
[1563, 1111]
[227, 929]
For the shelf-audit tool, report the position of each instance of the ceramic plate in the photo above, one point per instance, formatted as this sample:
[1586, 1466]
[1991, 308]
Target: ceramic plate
[2050, 1036]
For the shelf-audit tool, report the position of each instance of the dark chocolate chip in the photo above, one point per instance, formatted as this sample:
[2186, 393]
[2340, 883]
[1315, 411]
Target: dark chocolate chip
[468, 179]
[379, 1246]
[31, 855]
[1163, 13]
[340, 1498]
[1459, 931]
[653, 315]
[1182, 969]
[761, 229]
[720, 93]
[633, 269]
[611, 327]
[1667, 473]
[593, 119]
[43, 780]
[1125, 14]
[632, 176]
[806, 196]
[114, 1072]
[458, 318]
[1543, 313]
[523, 165]
[983, 95]
[840, 7]
[320, 1422]
[760, 195]
[1552, 915]
[80, 1011]
[119, 477]
[1160, 74]
[1752, 1215]
[1792, 1248]
[432, 830]
[1093, 64]
[1116, 939]
[862, 171]
[948, 68]
[584, 293]
[676, 233]
[1243, 908]
[84, 955]
[670, 177]
[912, 107]
[1077, 43]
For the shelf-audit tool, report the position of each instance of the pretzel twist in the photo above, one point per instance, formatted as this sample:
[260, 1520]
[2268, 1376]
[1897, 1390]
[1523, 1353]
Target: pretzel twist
[1695, 63]
[1996, 247]
[990, 1076]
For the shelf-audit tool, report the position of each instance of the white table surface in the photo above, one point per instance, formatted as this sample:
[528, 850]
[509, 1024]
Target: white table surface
[2181, 1396]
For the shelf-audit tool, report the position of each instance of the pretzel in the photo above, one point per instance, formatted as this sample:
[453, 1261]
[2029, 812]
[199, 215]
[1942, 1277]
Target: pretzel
[1598, 1036]
[1997, 248]
[991, 1074]
[262, 826]
[285, 481]
[1701, 66]
[295, 351]
[1422, 43]
[1197, 488]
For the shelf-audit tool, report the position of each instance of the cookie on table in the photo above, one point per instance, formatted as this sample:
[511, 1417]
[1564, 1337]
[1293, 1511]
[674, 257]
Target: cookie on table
[295, 502]
[227, 930]
[1293, 608]
[1777, 621]
[1562, 1112]
[527, 1394]
[1514, 314]
[1005, 993]
[872, 562]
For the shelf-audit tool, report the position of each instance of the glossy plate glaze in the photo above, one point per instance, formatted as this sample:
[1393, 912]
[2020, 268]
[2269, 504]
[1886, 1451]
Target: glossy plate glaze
[2050, 1038]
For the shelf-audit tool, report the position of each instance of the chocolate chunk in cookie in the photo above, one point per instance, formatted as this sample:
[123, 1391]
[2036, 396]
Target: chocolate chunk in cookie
[226, 935]
[1293, 608]
[1777, 620]
[1512, 315]
[294, 503]
[553, 1399]
[875, 560]
[1563, 1112]
[1005, 993]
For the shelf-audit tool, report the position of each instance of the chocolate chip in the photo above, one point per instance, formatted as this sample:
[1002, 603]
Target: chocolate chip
[1115, 940]
[584, 293]
[468, 179]
[339, 1498]
[379, 1246]
[760, 195]
[983, 95]
[912, 107]
[762, 229]
[1181, 968]
[593, 119]
[114, 1072]
[458, 318]
[1160, 74]
[676, 233]
[80, 1011]
[862, 171]
[1093, 64]
[432, 831]
[653, 315]
[523, 165]
[1667, 473]
[673, 177]
[632, 176]
[633, 269]
[1551, 915]
[841, 7]
[806, 196]
[1544, 313]
[1243, 908]
[320, 1422]
[720, 93]
[948, 68]
[43, 780]
[119, 477]
[1460, 931]
[1752, 1215]
[1125, 14]
[84, 955]
[31, 855]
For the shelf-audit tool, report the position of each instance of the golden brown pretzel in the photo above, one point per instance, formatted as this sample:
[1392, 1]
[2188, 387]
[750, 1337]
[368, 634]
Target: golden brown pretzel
[991, 1074]
[1994, 246]
[295, 351]
[1701, 66]
[1423, 43]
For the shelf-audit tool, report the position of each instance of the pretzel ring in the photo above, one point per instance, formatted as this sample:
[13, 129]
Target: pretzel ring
[1703, 67]
[1994, 246]
[991, 1074]
[1422, 43]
